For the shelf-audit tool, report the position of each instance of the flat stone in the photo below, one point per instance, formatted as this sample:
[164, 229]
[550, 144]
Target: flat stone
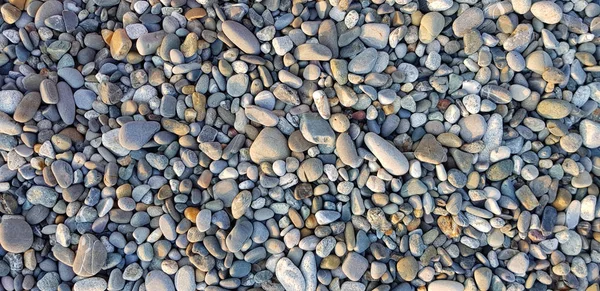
[346, 150]
[185, 279]
[286, 94]
[27, 108]
[364, 62]
[63, 172]
[203, 220]
[467, 20]
[518, 264]
[90, 284]
[570, 242]
[527, 198]
[432, 25]
[48, 91]
[500, 170]
[439, 5]
[308, 267]
[72, 76]
[147, 44]
[66, 103]
[120, 44]
[472, 127]
[49, 282]
[325, 217]
[483, 278]
[41, 195]
[237, 85]
[167, 227]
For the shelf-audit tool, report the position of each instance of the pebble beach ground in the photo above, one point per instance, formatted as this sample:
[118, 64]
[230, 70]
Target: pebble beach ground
[384, 145]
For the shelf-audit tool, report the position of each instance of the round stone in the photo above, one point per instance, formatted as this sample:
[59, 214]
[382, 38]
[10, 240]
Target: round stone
[16, 235]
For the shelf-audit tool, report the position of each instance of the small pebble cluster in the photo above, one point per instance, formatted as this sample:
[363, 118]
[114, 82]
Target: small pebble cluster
[381, 145]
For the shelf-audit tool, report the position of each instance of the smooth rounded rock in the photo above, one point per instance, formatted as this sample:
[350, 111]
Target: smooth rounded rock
[16, 235]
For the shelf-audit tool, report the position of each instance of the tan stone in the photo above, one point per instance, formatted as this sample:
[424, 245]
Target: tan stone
[21, 4]
[195, 13]
[448, 227]
[10, 13]
[120, 44]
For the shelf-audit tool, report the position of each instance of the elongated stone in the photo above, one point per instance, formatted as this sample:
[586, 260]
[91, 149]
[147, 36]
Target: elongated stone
[387, 154]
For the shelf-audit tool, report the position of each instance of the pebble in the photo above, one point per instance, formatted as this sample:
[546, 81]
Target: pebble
[518, 264]
[289, 275]
[90, 284]
[135, 134]
[16, 235]
[547, 12]
[374, 35]
[472, 127]
[159, 280]
[432, 25]
[241, 37]
[9, 100]
[407, 268]
[554, 108]
[469, 19]
[389, 156]
[445, 285]
[354, 266]
[270, 145]
[90, 257]
[589, 130]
